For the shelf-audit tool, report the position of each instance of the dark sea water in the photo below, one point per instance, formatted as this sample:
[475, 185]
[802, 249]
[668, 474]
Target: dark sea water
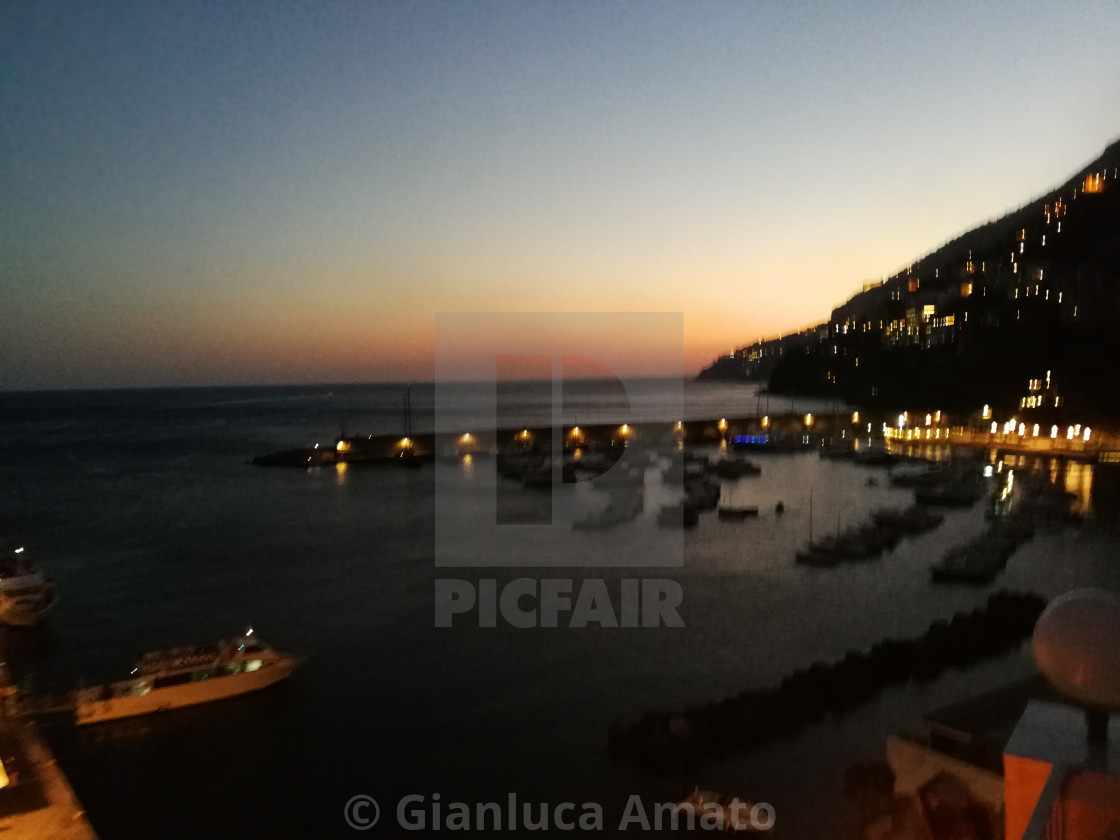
[142, 507]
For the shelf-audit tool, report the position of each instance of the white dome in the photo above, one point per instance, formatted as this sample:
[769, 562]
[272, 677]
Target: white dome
[1077, 646]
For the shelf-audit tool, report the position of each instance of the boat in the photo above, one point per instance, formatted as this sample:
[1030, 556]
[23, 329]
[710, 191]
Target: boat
[858, 545]
[824, 553]
[969, 564]
[595, 462]
[731, 512]
[978, 561]
[736, 468]
[686, 469]
[736, 513]
[757, 443]
[949, 494]
[623, 507]
[875, 458]
[186, 676]
[913, 520]
[879, 537]
[26, 596]
[836, 452]
[704, 494]
[920, 477]
[818, 555]
[681, 515]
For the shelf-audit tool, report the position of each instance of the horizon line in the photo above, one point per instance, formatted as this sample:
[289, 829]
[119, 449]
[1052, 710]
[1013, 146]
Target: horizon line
[403, 383]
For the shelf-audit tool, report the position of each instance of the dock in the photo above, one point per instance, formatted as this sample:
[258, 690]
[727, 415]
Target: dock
[37, 803]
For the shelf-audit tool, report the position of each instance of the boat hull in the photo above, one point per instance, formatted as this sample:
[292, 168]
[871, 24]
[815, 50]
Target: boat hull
[26, 612]
[736, 513]
[186, 694]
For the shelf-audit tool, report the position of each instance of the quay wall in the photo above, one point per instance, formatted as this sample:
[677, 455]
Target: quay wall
[859, 429]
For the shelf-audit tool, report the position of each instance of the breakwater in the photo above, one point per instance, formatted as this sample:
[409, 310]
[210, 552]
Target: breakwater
[667, 741]
[776, 432]
[839, 433]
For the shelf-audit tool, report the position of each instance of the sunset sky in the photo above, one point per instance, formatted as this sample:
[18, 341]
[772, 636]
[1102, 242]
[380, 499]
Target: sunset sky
[239, 193]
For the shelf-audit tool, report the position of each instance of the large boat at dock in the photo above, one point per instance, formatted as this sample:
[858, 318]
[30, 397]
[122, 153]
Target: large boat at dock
[26, 596]
[186, 676]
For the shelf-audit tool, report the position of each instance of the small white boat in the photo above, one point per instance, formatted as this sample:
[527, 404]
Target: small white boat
[186, 676]
[26, 596]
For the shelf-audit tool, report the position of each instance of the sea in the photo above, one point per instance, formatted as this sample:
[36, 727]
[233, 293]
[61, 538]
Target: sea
[144, 508]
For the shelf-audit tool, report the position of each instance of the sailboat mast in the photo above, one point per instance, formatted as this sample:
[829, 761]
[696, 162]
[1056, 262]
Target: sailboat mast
[408, 411]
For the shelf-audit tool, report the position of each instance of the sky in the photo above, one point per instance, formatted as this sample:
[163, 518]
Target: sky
[248, 193]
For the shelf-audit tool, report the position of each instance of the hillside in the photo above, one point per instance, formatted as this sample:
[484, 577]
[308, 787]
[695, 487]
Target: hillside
[1031, 297]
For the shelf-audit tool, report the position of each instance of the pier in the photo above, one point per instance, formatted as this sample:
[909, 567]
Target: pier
[36, 802]
[917, 435]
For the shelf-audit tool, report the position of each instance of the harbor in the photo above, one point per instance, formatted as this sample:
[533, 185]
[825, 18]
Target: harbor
[327, 558]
